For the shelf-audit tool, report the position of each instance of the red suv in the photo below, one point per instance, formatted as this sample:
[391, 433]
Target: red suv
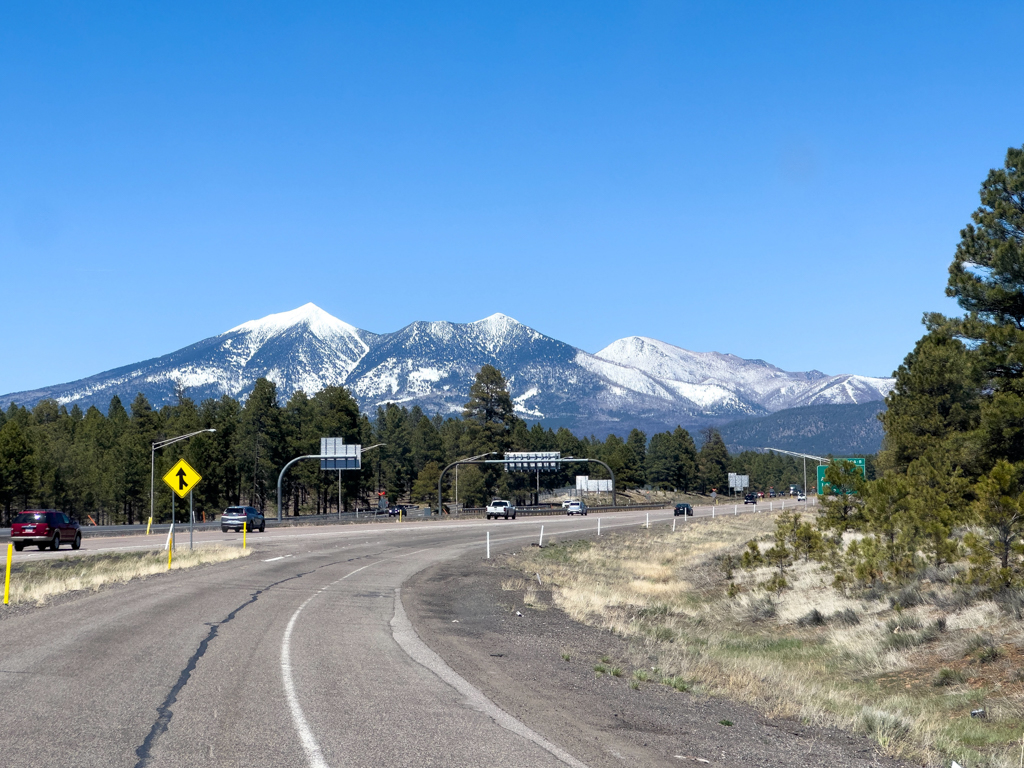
[45, 528]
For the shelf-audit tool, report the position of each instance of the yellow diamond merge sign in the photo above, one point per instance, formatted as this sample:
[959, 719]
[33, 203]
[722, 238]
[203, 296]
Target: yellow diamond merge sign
[182, 478]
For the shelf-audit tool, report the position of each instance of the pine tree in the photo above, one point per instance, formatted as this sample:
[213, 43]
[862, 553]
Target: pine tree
[987, 280]
[16, 468]
[637, 443]
[997, 548]
[662, 465]
[686, 470]
[936, 395]
[259, 442]
[713, 462]
[489, 414]
[425, 488]
[842, 503]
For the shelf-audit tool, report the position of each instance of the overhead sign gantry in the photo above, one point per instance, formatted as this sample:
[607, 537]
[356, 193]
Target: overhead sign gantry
[545, 461]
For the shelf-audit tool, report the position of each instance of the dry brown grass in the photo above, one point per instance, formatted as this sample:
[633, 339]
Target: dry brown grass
[667, 593]
[40, 581]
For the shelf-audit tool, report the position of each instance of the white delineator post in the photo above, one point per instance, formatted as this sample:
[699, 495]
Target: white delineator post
[674, 523]
[541, 542]
[648, 519]
[599, 526]
[488, 545]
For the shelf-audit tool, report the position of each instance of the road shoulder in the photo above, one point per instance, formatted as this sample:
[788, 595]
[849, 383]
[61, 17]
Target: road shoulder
[515, 655]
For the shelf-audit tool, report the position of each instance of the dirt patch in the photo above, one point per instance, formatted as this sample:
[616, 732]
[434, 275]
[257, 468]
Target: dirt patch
[515, 652]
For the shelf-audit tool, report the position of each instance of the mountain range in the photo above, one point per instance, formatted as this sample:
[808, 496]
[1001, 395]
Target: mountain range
[633, 382]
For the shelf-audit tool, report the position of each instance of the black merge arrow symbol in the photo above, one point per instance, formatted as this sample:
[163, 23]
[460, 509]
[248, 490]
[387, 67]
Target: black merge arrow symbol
[182, 485]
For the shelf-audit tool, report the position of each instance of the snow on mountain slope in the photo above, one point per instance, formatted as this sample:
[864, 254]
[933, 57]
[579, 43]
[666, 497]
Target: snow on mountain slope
[633, 382]
[304, 349]
[752, 380]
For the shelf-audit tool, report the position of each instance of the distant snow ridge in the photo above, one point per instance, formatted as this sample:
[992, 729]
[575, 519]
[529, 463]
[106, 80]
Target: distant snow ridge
[635, 381]
[754, 381]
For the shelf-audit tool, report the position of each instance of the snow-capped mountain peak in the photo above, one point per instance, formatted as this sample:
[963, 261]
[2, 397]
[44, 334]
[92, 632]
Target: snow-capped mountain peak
[497, 319]
[320, 323]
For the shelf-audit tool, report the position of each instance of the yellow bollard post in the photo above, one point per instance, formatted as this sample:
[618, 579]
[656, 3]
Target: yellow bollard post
[7, 576]
[245, 527]
[150, 523]
[170, 551]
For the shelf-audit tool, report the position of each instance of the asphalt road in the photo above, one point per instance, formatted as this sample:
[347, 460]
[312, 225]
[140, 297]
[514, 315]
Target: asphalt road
[298, 655]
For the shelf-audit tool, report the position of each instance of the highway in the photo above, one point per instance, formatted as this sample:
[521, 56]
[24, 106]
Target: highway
[298, 655]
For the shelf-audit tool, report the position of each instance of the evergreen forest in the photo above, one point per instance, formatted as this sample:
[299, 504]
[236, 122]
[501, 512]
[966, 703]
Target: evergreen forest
[96, 466]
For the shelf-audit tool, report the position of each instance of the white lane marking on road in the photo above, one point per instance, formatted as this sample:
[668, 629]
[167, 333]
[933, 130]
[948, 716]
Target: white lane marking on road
[407, 639]
[309, 743]
[272, 559]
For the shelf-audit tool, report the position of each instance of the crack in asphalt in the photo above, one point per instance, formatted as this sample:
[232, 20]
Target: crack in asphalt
[164, 711]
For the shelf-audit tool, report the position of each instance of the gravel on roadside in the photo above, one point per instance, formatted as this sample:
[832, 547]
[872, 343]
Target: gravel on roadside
[515, 654]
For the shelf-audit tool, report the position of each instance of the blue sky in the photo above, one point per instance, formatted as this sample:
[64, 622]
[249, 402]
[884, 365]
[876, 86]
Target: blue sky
[783, 181]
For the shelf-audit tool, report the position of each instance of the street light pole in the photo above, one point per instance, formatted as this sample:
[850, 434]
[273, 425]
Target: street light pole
[805, 457]
[152, 460]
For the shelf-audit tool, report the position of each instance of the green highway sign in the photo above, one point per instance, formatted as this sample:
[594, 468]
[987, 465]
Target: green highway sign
[823, 488]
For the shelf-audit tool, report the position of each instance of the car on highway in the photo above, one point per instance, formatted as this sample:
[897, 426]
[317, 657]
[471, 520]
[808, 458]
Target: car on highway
[682, 509]
[750, 498]
[566, 503]
[576, 508]
[501, 508]
[237, 517]
[45, 528]
[801, 496]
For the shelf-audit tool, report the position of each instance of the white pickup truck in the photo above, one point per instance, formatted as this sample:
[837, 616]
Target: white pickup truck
[501, 508]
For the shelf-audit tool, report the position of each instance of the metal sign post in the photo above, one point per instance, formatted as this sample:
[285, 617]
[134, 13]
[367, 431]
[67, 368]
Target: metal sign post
[335, 454]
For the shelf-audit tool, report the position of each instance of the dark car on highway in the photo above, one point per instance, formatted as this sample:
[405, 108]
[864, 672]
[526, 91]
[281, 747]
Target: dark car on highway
[750, 498]
[236, 517]
[683, 509]
[45, 528]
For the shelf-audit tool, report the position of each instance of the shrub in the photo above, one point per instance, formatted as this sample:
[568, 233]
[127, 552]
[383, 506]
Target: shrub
[987, 654]
[814, 618]
[976, 643]
[961, 598]
[947, 677]
[884, 726]
[762, 609]
[901, 641]
[847, 617]
[663, 634]
[677, 682]
[1011, 601]
[908, 597]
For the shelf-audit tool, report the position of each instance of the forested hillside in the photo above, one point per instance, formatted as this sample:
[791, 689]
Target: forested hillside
[845, 430]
